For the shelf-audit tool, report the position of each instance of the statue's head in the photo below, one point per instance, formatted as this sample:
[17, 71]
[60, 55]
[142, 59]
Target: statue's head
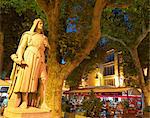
[37, 25]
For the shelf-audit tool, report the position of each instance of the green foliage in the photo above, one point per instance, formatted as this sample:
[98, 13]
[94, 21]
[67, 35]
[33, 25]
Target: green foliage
[147, 109]
[19, 5]
[74, 79]
[128, 64]
[126, 104]
[144, 52]
[86, 66]
[13, 25]
[92, 106]
[119, 1]
[17, 17]
[66, 106]
[71, 43]
[129, 69]
[132, 82]
[116, 27]
[22, 7]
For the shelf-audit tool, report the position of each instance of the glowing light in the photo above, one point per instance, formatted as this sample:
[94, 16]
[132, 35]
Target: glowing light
[145, 71]
[63, 61]
[98, 79]
[121, 81]
[116, 81]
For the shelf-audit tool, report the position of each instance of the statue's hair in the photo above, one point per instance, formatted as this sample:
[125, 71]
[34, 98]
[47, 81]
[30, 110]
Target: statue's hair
[32, 30]
[35, 23]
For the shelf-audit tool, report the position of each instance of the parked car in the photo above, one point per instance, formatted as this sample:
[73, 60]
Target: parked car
[3, 94]
[4, 89]
[3, 98]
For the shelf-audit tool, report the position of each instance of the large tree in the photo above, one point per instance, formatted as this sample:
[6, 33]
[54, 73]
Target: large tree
[57, 72]
[89, 35]
[130, 27]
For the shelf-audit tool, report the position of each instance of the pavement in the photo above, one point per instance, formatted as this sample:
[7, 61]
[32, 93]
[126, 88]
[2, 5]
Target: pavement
[126, 116]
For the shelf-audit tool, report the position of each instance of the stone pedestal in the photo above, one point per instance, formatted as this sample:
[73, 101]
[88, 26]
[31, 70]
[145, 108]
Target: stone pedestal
[30, 112]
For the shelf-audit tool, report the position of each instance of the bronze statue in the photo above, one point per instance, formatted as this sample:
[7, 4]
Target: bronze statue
[29, 73]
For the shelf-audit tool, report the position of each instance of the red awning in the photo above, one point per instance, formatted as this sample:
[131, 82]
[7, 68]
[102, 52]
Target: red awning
[99, 90]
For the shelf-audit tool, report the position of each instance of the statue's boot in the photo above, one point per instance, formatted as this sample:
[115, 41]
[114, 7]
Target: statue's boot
[23, 105]
[18, 100]
[24, 100]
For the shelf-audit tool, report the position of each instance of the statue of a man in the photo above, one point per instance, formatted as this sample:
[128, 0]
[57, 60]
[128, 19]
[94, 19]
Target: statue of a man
[29, 68]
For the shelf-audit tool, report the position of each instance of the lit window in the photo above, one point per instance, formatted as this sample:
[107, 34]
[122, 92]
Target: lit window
[109, 70]
[110, 82]
[109, 57]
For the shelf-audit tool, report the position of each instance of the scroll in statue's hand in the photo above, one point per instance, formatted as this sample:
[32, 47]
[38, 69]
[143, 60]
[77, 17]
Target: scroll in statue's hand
[23, 64]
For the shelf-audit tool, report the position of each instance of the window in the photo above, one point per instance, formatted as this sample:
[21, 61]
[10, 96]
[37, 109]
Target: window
[109, 82]
[109, 57]
[109, 70]
[103, 42]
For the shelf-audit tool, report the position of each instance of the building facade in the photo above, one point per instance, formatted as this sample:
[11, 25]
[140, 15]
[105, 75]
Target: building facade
[109, 73]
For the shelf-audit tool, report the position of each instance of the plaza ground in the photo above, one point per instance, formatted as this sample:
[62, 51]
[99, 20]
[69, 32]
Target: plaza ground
[125, 116]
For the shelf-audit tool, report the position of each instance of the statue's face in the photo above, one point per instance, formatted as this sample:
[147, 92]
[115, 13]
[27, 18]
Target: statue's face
[40, 25]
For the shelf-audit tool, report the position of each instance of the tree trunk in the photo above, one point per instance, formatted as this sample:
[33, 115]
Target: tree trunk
[54, 88]
[1, 52]
[146, 96]
[58, 73]
[54, 94]
[143, 85]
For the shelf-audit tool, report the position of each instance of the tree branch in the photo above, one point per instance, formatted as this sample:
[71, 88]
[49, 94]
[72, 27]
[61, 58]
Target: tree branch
[118, 40]
[43, 5]
[93, 35]
[115, 5]
[118, 5]
[141, 38]
[115, 39]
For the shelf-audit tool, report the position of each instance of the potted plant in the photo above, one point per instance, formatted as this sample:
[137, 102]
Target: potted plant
[92, 106]
[126, 106]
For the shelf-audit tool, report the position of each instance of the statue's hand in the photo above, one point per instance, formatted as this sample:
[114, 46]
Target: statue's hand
[15, 58]
[23, 62]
